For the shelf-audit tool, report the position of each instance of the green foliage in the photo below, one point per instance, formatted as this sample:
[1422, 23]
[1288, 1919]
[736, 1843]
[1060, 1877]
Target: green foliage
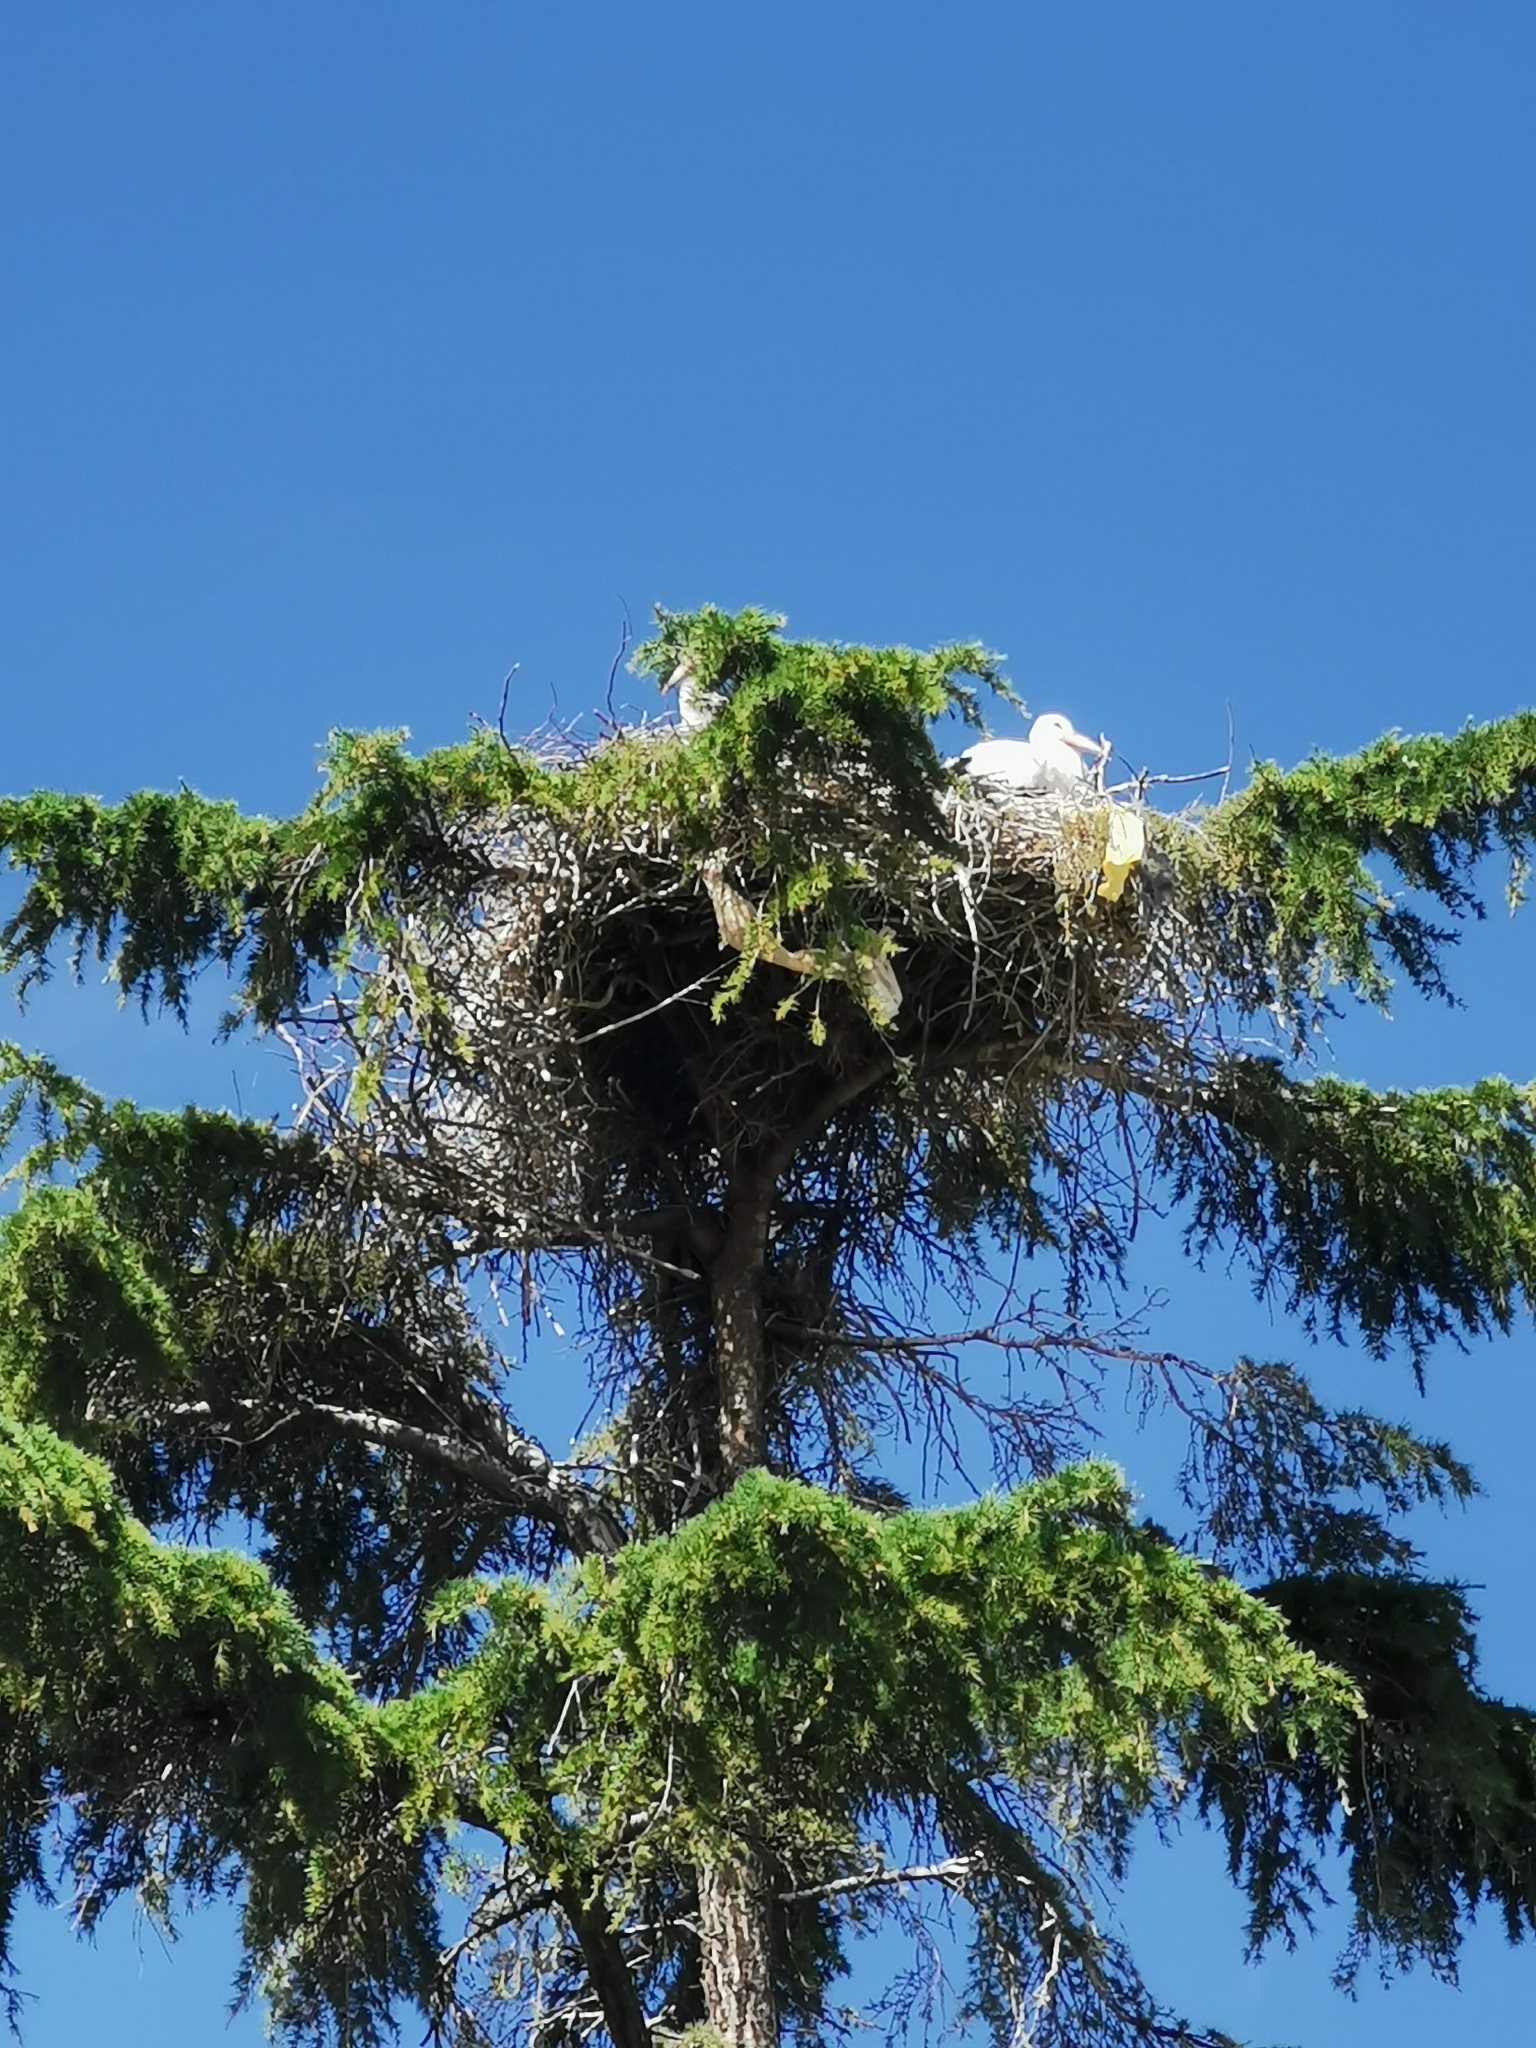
[79, 1301]
[1408, 1215]
[174, 1694]
[198, 1267]
[800, 1650]
[788, 1669]
[1439, 1785]
[158, 886]
[174, 1699]
[1430, 808]
[1291, 1484]
[797, 706]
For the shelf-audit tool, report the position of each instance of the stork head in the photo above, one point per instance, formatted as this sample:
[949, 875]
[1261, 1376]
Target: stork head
[1055, 729]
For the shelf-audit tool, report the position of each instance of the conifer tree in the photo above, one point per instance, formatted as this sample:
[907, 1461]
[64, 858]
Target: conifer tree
[761, 1042]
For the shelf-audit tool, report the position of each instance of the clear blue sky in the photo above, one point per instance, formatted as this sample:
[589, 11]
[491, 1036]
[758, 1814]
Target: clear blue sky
[350, 354]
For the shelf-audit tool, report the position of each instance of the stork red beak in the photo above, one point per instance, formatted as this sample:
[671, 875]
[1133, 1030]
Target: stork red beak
[1083, 746]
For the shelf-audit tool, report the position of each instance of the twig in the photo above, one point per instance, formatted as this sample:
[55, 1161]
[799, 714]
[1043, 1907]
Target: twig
[623, 649]
[952, 1873]
[677, 996]
[1173, 781]
[501, 713]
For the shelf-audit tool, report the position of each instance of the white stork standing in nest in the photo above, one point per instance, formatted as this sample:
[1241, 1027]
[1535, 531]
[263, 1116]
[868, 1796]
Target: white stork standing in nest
[696, 706]
[1050, 761]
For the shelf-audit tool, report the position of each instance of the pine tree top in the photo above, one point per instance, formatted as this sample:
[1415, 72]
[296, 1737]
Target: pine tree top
[766, 1034]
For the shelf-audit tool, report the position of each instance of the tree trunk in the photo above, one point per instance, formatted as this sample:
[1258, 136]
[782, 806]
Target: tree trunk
[735, 1909]
[735, 1935]
[739, 1359]
[607, 1972]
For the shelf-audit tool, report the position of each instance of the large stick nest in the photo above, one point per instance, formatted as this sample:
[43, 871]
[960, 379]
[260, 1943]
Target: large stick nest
[589, 1018]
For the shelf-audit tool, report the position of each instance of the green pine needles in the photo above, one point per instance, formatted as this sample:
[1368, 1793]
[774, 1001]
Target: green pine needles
[753, 1042]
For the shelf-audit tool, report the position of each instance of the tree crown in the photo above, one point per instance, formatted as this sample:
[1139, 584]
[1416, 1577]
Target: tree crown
[762, 1037]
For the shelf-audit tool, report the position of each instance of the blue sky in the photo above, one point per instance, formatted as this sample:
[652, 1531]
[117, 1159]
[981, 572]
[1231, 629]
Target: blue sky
[350, 355]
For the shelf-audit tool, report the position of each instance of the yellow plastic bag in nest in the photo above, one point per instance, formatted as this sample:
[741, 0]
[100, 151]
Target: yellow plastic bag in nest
[1127, 842]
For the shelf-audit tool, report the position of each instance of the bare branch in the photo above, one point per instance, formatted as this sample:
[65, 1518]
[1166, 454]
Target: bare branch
[952, 1872]
[523, 1475]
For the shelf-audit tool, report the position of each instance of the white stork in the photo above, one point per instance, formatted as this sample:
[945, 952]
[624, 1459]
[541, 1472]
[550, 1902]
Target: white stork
[695, 706]
[1050, 760]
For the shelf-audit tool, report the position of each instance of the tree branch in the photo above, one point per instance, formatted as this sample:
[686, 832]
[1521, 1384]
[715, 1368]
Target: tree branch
[523, 1475]
[857, 1081]
[951, 1872]
[736, 1274]
[607, 1969]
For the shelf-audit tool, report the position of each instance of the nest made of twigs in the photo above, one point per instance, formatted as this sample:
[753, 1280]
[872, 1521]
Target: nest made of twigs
[574, 1015]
